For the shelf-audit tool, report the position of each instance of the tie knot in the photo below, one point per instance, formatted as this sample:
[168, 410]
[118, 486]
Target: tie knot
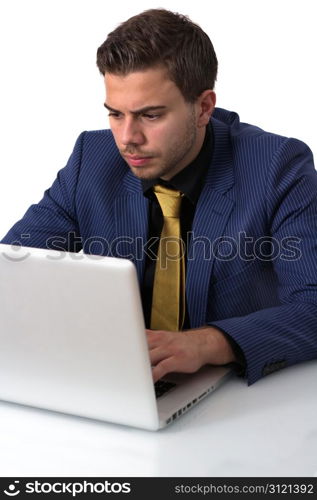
[169, 199]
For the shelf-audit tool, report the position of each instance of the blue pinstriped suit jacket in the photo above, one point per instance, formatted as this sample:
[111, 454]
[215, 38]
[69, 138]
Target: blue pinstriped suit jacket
[260, 197]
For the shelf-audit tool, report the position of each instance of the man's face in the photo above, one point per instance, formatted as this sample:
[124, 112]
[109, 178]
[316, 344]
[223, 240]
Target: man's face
[155, 129]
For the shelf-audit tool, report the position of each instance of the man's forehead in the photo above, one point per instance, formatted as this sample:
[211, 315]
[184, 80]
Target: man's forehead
[149, 88]
[157, 71]
[144, 109]
[152, 79]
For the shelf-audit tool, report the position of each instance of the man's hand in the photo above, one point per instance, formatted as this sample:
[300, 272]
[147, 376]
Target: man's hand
[187, 351]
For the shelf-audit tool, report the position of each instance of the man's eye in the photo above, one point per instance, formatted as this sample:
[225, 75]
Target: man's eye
[114, 115]
[151, 117]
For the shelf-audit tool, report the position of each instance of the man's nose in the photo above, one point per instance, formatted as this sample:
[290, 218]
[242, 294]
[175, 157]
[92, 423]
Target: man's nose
[131, 133]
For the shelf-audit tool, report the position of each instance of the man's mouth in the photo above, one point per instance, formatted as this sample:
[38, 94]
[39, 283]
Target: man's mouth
[138, 161]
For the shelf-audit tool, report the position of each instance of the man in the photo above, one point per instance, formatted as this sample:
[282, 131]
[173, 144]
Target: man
[246, 216]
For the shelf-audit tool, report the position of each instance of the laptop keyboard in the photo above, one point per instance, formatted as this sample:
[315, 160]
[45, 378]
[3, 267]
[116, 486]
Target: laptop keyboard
[162, 386]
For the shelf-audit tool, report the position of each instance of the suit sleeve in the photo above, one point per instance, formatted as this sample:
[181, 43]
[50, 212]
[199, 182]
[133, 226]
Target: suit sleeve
[52, 223]
[280, 336]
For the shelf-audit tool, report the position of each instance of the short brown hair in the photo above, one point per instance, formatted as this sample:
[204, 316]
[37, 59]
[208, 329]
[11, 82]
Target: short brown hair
[160, 37]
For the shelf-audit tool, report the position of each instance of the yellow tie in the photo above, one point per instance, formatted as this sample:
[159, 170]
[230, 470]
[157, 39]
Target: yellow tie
[168, 302]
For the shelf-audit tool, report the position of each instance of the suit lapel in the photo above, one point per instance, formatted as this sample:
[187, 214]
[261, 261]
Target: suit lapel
[212, 212]
[131, 223]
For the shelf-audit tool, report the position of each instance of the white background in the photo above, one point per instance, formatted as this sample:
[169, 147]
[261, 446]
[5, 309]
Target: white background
[51, 90]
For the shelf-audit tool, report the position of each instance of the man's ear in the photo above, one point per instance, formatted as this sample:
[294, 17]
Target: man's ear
[206, 103]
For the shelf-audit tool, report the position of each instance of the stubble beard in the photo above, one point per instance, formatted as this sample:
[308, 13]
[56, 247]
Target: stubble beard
[174, 156]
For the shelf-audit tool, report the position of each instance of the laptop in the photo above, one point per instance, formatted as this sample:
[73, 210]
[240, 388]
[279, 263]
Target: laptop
[72, 340]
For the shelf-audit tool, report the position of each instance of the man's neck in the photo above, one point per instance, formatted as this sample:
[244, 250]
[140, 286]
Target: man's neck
[191, 157]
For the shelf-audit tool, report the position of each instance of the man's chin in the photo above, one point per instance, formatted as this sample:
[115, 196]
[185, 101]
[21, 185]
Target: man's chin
[146, 173]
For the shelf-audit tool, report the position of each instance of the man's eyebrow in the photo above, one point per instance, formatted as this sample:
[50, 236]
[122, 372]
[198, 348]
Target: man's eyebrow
[137, 111]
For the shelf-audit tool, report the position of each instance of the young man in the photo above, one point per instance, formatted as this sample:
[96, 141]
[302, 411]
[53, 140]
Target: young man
[221, 208]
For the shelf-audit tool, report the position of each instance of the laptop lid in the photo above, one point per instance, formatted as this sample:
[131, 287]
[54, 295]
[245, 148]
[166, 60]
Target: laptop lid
[72, 336]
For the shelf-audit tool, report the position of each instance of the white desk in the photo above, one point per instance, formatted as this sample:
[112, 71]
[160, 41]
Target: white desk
[268, 429]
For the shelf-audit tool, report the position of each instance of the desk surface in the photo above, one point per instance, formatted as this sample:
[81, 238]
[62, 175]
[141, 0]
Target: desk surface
[268, 429]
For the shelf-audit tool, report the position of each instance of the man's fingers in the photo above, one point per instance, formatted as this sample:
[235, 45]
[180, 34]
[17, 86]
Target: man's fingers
[159, 337]
[173, 352]
[164, 367]
[157, 354]
[153, 339]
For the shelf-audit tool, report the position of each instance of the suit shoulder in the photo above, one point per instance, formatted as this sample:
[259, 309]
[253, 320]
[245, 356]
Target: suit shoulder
[246, 136]
[96, 151]
[98, 145]
[243, 130]
[99, 136]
